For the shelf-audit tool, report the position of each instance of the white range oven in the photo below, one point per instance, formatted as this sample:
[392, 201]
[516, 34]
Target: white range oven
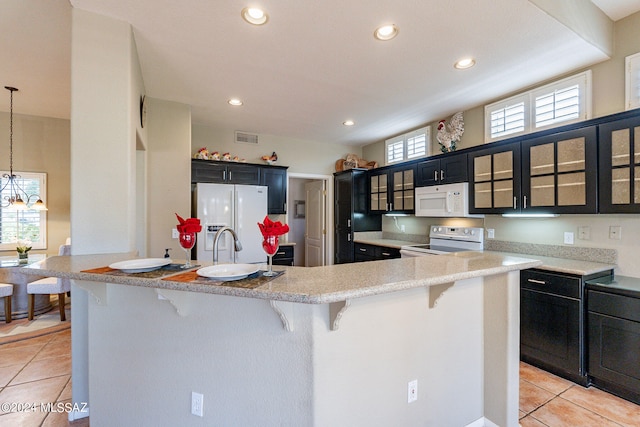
[445, 240]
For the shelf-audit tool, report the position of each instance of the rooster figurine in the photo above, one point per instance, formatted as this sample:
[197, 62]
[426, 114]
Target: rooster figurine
[450, 133]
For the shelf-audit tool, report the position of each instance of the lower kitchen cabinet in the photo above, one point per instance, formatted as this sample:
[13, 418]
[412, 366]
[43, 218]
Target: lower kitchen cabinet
[284, 256]
[366, 252]
[552, 322]
[614, 342]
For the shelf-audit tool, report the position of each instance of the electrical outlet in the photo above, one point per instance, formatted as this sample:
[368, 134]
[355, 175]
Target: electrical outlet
[197, 400]
[615, 232]
[412, 391]
[491, 233]
[584, 233]
[568, 238]
[174, 233]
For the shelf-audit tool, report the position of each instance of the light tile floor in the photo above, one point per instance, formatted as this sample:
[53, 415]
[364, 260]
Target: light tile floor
[39, 370]
[548, 400]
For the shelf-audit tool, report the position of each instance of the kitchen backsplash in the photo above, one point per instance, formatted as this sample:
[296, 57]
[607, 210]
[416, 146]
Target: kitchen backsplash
[608, 256]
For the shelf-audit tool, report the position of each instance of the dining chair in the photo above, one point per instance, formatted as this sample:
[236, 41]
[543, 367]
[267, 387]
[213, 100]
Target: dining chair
[50, 285]
[6, 290]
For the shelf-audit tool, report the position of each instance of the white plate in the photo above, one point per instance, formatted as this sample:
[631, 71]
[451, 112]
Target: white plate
[227, 272]
[140, 265]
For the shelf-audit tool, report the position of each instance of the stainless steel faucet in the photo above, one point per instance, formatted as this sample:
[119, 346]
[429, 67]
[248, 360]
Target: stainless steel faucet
[236, 242]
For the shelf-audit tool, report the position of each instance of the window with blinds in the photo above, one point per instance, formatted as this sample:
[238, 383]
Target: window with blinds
[632, 81]
[25, 224]
[411, 145]
[561, 102]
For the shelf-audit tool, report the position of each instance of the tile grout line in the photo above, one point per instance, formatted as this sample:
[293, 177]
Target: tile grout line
[587, 409]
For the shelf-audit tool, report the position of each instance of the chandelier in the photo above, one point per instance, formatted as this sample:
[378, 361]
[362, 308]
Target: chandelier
[17, 195]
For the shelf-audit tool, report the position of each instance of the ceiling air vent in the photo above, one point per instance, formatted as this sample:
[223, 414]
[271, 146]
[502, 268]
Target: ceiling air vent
[246, 137]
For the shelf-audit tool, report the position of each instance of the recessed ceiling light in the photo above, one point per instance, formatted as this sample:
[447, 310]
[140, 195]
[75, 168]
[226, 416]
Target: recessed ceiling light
[386, 32]
[464, 63]
[235, 102]
[254, 16]
[348, 123]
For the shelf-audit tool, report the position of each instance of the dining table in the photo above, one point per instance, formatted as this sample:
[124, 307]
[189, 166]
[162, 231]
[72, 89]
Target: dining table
[10, 272]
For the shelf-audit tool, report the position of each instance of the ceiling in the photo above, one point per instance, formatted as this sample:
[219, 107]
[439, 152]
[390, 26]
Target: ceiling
[312, 66]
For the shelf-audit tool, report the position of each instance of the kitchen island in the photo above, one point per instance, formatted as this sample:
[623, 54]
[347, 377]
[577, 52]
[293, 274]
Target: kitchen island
[322, 346]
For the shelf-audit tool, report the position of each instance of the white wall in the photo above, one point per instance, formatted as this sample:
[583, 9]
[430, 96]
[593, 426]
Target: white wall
[299, 155]
[105, 85]
[168, 175]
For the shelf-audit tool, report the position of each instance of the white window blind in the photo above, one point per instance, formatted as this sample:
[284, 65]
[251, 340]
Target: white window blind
[395, 151]
[25, 224]
[632, 81]
[410, 145]
[562, 102]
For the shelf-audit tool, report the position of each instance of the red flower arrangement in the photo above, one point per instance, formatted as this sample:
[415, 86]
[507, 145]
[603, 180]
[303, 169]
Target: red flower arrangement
[190, 225]
[270, 231]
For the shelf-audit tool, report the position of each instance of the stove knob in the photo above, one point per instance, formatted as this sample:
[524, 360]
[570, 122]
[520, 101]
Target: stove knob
[466, 231]
[473, 232]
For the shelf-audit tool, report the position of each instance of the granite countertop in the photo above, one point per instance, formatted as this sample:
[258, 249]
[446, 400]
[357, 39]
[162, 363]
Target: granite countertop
[565, 265]
[313, 285]
[555, 264]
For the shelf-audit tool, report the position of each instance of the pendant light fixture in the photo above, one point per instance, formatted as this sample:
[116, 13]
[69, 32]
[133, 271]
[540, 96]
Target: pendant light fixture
[17, 195]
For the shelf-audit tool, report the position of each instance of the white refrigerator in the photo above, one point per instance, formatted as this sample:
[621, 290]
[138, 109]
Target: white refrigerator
[240, 207]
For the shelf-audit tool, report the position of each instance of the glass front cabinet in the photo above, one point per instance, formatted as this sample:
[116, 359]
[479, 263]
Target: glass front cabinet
[495, 180]
[392, 190]
[619, 173]
[559, 173]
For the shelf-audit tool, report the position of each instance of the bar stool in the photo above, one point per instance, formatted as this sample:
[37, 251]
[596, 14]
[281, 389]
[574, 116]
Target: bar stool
[50, 285]
[6, 290]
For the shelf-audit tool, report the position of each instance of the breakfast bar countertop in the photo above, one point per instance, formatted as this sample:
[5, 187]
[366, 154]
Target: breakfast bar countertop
[310, 285]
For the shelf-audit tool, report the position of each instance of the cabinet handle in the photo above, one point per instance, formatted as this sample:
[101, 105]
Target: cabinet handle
[280, 253]
[441, 175]
[386, 254]
[224, 175]
[524, 203]
[539, 282]
[363, 250]
[348, 223]
[435, 175]
[515, 203]
[229, 175]
[348, 237]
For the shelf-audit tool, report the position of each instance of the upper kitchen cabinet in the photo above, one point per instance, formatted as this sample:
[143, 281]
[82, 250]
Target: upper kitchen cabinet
[447, 169]
[559, 172]
[275, 177]
[619, 174]
[224, 172]
[392, 189]
[494, 186]
[350, 206]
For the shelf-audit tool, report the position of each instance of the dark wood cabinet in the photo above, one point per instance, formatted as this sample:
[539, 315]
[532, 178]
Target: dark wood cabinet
[494, 186]
[614, 342]
[350, 212]
[448, 169]
[559, 173]
[619, 171]
[392, 189]
[284, 255]
[220, 172]
[367, 252]
[224, 172]
[275, 177]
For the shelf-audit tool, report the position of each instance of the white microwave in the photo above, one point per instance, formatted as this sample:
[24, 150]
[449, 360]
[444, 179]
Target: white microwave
[448, 200]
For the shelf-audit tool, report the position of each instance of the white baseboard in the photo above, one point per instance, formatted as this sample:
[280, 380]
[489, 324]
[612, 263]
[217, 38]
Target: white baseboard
[79, 413]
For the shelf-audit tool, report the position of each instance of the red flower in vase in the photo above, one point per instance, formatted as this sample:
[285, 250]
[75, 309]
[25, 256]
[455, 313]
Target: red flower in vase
[190, 225]
[269, 228]
[270, 244]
